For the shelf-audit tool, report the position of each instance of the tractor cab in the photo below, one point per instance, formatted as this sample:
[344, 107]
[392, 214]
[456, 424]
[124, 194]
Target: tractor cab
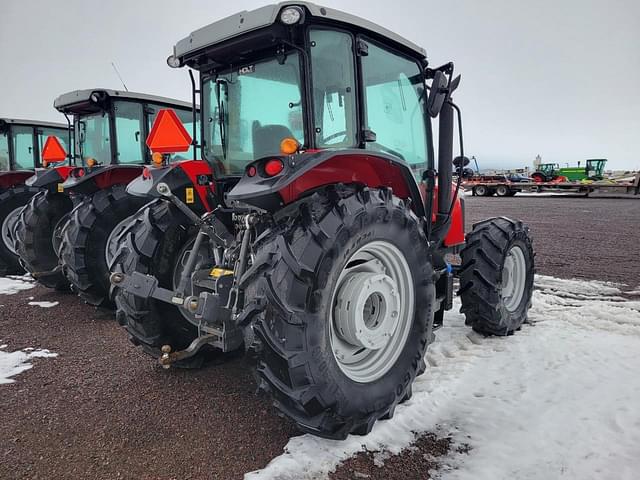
[110, 127]
[21, 145]
[549, 169]
[298, 81]
[595, 168]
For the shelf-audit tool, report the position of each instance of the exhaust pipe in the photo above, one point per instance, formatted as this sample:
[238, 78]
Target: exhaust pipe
[445, 167]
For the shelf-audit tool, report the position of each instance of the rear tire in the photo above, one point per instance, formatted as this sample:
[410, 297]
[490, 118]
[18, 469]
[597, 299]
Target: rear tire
[495, 298]
[298, 270]
[538, 177]
[12, 200]
[482, 191]
[503, 191]
[151, 245]
[38, 222]
[84, 243]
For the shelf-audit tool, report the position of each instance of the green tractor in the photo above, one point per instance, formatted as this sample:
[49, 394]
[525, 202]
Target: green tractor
[592, 170]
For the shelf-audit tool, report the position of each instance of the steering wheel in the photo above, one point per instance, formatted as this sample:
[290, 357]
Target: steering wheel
[334, 135]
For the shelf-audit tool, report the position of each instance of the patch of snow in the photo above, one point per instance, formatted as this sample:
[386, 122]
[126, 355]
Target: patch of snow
[44, 304]
[557, 399]
[13, 363]
[10, 285]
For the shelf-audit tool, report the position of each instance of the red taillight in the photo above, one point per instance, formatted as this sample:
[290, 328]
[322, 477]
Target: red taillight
[251, 171]
[146, 173]
[273, 167]
[79, 173]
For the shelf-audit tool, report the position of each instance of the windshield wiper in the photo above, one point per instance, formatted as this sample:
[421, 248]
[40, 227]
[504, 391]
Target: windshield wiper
[221, 115]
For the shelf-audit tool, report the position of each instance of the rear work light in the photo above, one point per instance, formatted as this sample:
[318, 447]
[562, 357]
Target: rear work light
[273, 167]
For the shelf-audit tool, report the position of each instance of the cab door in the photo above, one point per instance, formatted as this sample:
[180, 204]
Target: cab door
[129, 133]
[24, 148]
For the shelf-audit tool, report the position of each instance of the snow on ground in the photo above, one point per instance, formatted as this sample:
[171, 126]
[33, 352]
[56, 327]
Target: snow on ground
[44, 304]
[11, 284]
[559, 399]
[13, 363]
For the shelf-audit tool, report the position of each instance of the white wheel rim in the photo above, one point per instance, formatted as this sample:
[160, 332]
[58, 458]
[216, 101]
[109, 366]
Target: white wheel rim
[514, 278]
[372, 311]
[8, 224]
[111, 247]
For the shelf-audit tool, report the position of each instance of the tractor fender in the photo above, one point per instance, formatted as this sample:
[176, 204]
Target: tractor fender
[87, 180]
[189, 180]
[51, 179]
[12, 178]
[308, 171]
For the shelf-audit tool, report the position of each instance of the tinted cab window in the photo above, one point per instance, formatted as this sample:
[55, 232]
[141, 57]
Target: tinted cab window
[394, 105]
[22, 139]
[129, 140]
[4, 151]
[186, 117]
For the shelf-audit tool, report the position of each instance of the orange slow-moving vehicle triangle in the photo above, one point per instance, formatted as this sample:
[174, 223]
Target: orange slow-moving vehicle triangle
[168, 135]
[53, 151]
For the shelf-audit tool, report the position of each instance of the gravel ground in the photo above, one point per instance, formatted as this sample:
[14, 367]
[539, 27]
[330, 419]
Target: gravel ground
[102, 409]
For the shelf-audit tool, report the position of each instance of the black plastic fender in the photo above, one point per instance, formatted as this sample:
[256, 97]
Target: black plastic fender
[99, 177]
[177, 180]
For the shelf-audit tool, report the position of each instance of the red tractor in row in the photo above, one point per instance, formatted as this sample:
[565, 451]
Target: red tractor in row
[68, 232]
[322, 255]
[21, 145]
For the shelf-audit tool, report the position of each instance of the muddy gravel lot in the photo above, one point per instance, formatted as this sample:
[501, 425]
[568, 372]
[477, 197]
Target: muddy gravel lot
[102, 409]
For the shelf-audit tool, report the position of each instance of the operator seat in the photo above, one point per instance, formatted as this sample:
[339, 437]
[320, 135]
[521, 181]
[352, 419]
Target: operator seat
[267, 138]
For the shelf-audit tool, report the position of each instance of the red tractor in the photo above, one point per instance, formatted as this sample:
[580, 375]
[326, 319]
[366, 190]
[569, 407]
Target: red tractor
[21, 145]
[323, 255]
[68, 232]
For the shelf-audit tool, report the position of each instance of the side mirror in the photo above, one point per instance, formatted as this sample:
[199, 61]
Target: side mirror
[461, 162]
[437, 94]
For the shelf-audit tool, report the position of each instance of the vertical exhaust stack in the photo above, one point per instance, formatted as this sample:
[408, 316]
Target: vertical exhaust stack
[445, 163]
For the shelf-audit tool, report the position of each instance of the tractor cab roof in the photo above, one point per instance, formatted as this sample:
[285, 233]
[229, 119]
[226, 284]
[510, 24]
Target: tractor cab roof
[221, 41]
[93, 100]
[5, 123]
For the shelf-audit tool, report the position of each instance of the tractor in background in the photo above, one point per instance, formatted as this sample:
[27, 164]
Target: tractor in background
[593, 169]
[323, 257]
[65, 236]
[21, 145]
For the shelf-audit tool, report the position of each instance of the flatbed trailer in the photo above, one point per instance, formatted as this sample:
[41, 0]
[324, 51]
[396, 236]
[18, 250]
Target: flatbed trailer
[486, 186]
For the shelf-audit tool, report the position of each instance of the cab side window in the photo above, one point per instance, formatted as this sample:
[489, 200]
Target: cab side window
[334, 93]
[394, 105]
[129, 132]
[23, 154]
[61, 135]
[186, 118]
[4, 151]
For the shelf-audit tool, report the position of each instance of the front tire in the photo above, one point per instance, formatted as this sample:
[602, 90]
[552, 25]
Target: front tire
[496, 277]
[307, 273]
[36, 239]
[89, 240]
[12, 201]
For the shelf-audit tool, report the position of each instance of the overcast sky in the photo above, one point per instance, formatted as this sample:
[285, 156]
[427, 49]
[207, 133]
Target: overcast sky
[550, 77]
